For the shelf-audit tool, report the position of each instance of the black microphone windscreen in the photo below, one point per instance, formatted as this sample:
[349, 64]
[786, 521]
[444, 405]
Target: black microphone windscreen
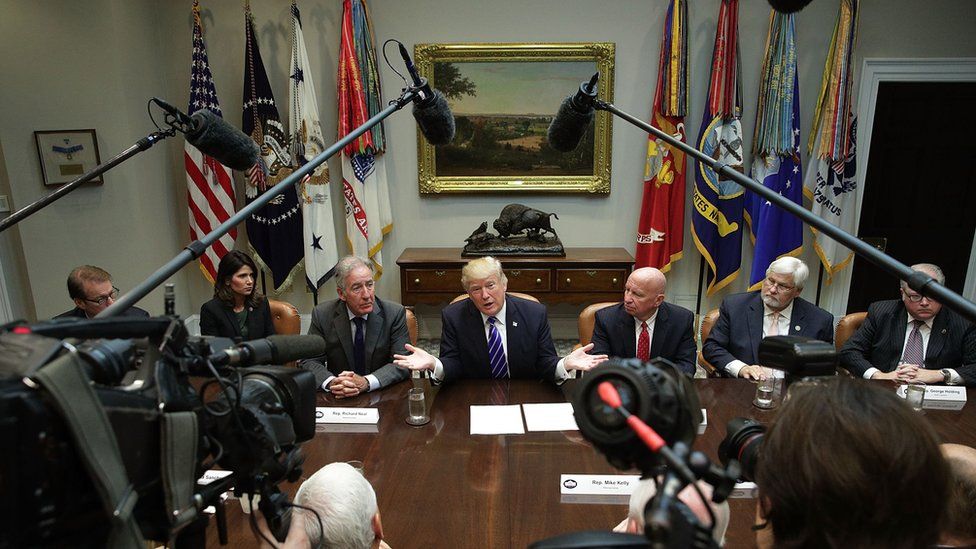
[788, 6]
[228, 145]
[435, 119]
[295, 347]
[568, 126]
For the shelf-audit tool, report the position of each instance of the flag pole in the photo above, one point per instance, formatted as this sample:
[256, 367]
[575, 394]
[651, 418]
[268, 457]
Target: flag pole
[197, 248]
[701, 281]
[916, 280]
[819, 285]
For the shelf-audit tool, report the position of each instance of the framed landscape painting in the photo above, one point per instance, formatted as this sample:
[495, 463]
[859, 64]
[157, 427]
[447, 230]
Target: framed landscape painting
[503, 97]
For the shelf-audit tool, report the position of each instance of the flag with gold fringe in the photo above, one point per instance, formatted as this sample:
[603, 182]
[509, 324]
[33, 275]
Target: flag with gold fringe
[369, 217]
[660, 229]
[716, 219]
[274, 230]
[776, 151]
[209, 184]
[307, 142]
[832, 187]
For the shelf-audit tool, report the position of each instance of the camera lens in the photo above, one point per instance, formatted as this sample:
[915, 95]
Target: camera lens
[743, 437]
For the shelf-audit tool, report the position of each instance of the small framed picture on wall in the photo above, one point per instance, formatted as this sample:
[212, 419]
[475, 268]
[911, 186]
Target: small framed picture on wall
[66, 155]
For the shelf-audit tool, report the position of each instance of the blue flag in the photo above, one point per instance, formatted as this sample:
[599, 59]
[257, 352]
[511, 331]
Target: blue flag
[775, 232]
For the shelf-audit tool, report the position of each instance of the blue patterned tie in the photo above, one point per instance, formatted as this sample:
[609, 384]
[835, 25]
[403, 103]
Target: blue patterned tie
[913, 349]
[496, 352]
[359, 347]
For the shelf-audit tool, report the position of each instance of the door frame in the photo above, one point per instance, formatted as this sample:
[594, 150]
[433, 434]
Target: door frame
[874, 71]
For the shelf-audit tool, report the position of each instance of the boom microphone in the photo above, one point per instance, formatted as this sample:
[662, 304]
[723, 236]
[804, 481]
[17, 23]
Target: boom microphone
[574, 117]
[216, 138]
[788, 6]
[430, 108]
[276, 349]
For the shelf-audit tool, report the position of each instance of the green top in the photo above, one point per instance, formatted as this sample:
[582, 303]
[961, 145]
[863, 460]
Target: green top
[242, 322]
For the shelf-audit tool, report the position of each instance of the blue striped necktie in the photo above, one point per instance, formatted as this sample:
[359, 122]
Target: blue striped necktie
[496, 352]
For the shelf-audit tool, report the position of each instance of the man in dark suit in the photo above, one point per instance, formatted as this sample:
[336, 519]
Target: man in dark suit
[644, 326]
[494, 335]
[91, 289]
[361, 334]
[745, 319]
[913, 338]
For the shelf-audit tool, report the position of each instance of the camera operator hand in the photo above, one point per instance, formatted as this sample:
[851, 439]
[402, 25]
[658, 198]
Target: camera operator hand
[297, 538]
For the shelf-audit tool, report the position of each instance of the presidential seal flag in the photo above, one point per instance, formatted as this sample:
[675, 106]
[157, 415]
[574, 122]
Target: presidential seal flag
[717, 213]
[660, 229]
[776, 151]
[307, 142]
[210, 186]
[832, 188]
[369, 217]
[275, 230]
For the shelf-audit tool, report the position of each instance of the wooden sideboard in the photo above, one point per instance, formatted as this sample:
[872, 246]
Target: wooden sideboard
[432, 276]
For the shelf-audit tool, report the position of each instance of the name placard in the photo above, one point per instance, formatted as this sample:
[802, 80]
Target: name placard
[954, 393]
[704, 422]
[744, 490]
[211, 475]
[598, 485]
[324, 414]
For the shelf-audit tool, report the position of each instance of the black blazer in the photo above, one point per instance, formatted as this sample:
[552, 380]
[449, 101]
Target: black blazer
[739, 328]
[464, 347]
[674, 335]
[78, 312]
[879, 341]
[217, 319]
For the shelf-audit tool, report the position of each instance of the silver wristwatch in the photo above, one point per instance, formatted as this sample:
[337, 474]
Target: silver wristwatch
[946, 375]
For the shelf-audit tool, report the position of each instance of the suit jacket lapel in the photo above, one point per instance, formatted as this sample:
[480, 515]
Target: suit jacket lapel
[232, 319]
[625, 327]
[937, 337]
[661, 327]
[514, 327]
[374, 325]
[755, 325]
[340, 323]
[476, 327]
[798, 318]
[896, 334]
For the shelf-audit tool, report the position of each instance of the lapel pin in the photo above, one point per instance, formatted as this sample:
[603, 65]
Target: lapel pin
[515, 324]
[796, 328]
[944, 330]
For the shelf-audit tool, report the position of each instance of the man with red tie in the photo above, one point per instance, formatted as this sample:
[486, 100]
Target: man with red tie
[913, 339]
[646, 327]
[495, 335]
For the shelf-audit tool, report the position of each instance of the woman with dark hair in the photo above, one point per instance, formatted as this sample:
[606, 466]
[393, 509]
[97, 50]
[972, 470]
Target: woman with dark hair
[849, 464]
[237, 310]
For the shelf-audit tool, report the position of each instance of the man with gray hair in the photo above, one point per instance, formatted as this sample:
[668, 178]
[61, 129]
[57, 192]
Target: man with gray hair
[959, 529]
[495, 335]
[361, 332]
[913, 339]
[645, 491]
[745, 319]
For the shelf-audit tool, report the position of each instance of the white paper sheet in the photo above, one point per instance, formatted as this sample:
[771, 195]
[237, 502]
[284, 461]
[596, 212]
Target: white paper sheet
[497, 420]
[556, 416]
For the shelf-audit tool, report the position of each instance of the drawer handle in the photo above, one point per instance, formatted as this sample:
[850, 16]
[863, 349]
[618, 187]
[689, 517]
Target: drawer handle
[439, 273]
[569, 280]
[516, 273]
[538, 281]
[591, 274]
[614, 281]
[416, 281]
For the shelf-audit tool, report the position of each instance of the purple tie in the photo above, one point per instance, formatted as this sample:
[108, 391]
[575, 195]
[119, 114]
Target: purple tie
[913, 349]
[496, 352]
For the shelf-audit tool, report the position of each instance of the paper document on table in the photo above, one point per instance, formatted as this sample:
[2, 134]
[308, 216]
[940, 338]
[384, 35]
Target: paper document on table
[497, 420]
[556, 416]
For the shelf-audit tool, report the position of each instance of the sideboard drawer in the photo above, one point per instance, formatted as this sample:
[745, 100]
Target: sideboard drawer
[529, 280]
[590, 280]
[434, 280]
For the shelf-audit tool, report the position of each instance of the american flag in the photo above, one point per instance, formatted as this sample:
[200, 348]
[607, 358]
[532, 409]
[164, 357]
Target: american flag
[210, 187]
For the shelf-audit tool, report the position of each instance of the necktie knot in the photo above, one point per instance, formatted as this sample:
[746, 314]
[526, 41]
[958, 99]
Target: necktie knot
[917, 324]
[643, 326]
[492, 320]
[359, 321]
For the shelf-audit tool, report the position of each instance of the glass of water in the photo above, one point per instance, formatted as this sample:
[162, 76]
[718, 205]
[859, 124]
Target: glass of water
[417, 407]
[766, 390]
[915, 395]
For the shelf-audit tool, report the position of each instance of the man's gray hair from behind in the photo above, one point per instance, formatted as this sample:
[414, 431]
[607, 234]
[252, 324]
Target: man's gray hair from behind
[346, 503]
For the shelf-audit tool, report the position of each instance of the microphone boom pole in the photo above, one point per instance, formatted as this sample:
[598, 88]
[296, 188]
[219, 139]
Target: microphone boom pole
[197, 248]
[918, 281]
[134, 149]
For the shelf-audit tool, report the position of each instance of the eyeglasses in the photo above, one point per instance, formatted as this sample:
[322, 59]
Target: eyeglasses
[101, 300]
[914, 298]
[360, 286]
[773, 284]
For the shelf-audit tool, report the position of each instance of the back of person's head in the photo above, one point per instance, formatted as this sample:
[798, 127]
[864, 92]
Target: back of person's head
[646, 489]
[85, 273]
[960, 524]
[849, 464]
[346, 503]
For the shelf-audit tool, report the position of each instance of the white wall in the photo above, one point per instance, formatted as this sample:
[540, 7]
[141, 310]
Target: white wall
[94, 64]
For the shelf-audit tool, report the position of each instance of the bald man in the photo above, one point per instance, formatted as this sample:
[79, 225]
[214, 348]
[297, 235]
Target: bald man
[960, 527]
[646, 327]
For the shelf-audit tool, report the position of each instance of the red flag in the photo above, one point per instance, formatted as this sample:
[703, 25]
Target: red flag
[660, 230]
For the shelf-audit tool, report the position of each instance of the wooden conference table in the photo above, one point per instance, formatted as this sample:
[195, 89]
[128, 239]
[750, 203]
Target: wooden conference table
[439, 486]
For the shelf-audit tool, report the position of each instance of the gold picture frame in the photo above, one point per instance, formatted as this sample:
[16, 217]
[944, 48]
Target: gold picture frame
[503, 96]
